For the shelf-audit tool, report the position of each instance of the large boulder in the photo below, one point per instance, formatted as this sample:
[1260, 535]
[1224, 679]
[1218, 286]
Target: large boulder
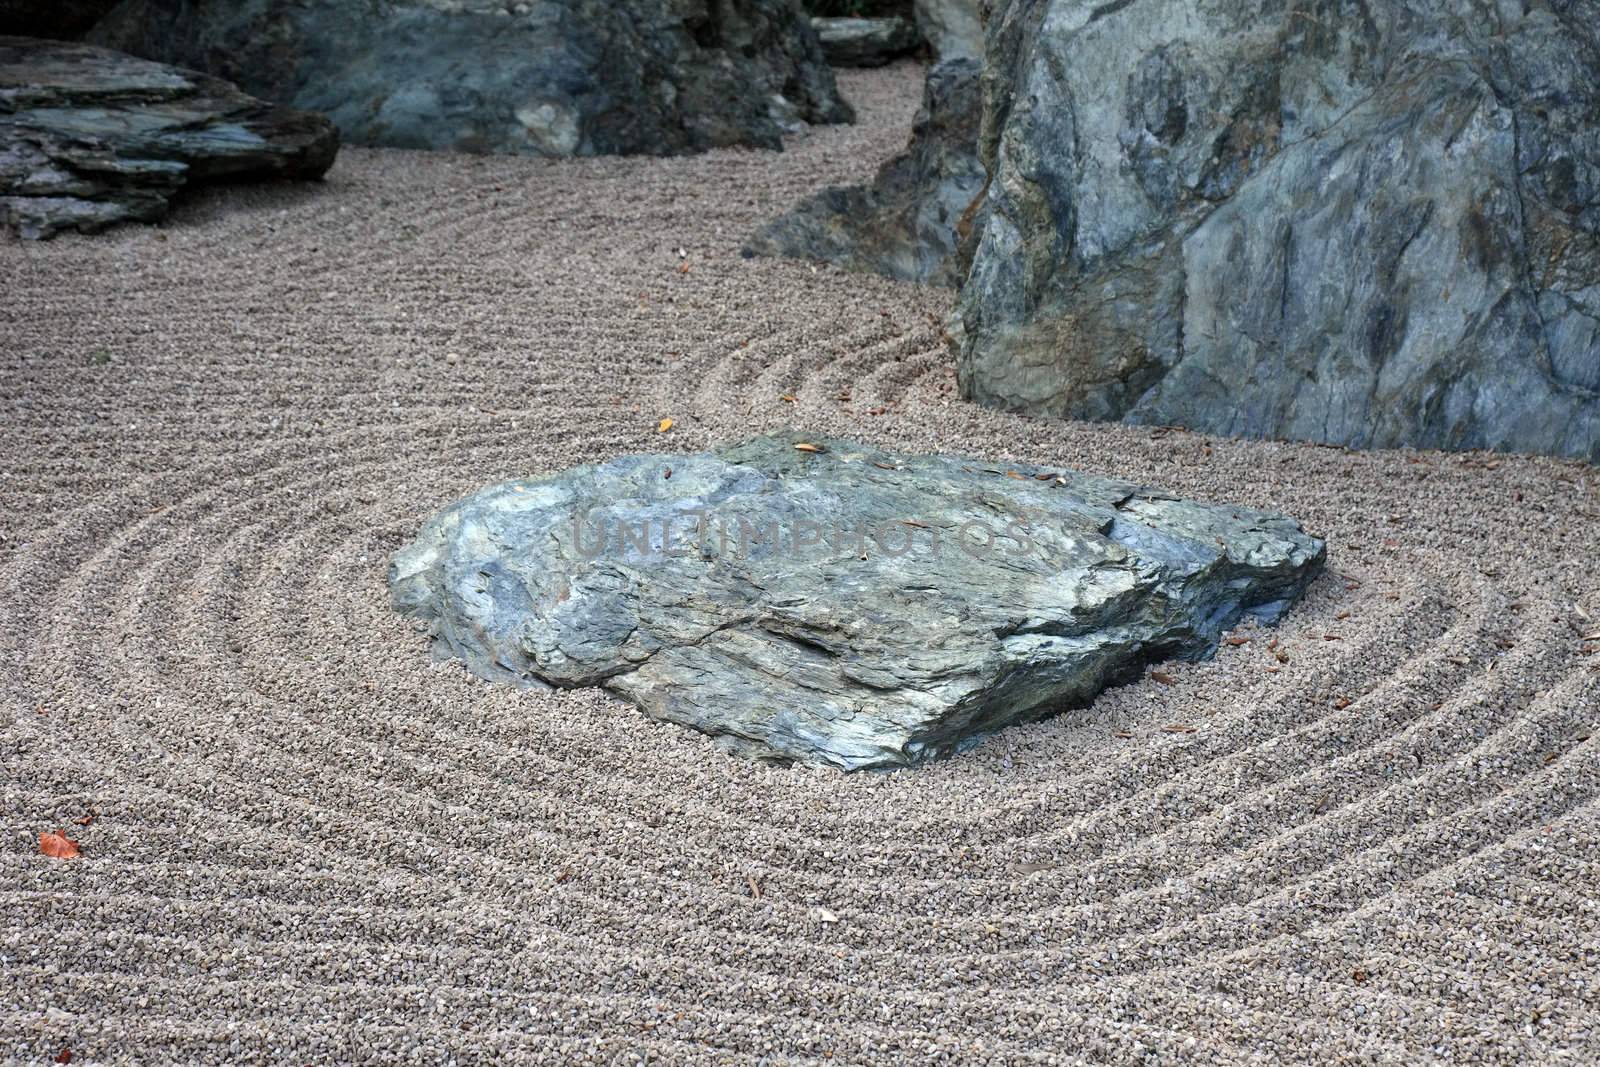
[544, 77]
[89, 136]
[830, 603]
[907, 223]
[1364, 222]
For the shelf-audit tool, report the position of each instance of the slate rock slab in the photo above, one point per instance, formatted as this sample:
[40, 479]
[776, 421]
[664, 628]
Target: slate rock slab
[532, 77]
[89, 136]
[1373, 224]
[839, 604]
[863, 42]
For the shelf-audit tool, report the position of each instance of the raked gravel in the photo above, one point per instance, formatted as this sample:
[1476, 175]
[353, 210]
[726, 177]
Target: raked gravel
[1370, 835]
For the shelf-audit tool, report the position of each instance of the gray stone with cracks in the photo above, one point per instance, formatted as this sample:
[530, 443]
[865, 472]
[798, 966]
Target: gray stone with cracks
[839, 607]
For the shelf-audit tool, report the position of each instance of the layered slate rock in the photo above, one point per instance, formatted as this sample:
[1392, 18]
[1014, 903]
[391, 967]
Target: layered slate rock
[544, 77]
[861, 42]
[1362, 223]
[89, 137]
[831, 603]
[908, 223]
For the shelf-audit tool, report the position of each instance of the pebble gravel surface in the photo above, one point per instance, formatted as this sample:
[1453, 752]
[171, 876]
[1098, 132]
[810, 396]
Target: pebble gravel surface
[1369, 835]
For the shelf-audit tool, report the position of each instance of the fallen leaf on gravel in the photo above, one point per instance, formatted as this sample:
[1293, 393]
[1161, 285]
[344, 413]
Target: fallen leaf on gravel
[663, 426]
[806, 446]
[788, 398]
[86, 820]
[1342, 615]
[1359, 975]
[58, 846]
[64, 1056]
[1178, 728]
[1342, 702]
[755, 890]
[1163, 677]
[1123, 734]
[1237, 641]
[827, 916]
[1459, 659]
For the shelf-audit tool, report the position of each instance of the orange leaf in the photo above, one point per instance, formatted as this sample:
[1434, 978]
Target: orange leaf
[1163, 677]
[805, 447]
[58, 846]
[663, 426]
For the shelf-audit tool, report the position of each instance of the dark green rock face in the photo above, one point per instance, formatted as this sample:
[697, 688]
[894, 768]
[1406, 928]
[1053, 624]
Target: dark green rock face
[848, 606]
[1363, 223]
[89, 137]
[543, 77]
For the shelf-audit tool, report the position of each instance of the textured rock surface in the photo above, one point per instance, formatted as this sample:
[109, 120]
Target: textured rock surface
[849, 42]
[952, 28]
[906, 224]
[848, 607]
[548, 77]
[1372, 224]
[55, 19]
[89, 136]
[910, 221]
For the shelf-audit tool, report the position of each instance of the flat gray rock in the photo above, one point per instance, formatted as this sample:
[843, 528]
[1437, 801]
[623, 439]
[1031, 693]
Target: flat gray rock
[848, 606]
[858, 42]
[89, 136]
[531, 77]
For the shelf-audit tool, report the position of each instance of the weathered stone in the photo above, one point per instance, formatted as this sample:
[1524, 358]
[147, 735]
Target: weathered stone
[1371, 224]
[846, 606]
[545, 77]
[89, 137]
[911, 221]
[952, 28]
[907, 223]
[850, 42]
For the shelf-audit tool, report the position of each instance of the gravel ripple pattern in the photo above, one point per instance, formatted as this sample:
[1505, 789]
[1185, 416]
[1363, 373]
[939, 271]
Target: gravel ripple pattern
[1368, 835]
